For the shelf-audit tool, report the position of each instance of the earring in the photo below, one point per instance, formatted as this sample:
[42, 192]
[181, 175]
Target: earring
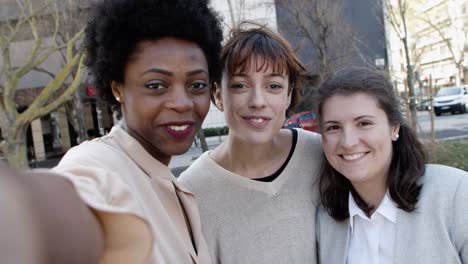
[118, 99]
[395, 137]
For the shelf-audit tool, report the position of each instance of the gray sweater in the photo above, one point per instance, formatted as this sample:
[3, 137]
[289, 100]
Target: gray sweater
[436, 232]
[249, 221]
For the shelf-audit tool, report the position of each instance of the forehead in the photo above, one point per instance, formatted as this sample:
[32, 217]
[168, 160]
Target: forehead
[342, 107]
[164, 50]
[257, 63]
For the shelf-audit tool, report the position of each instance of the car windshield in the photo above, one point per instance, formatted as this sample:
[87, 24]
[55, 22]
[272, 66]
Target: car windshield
[309, 116]
[448, 91]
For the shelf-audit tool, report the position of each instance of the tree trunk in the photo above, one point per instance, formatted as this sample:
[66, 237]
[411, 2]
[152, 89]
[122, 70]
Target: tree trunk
[203, 144]
[14, 148]
[411, 94]
[78, 118]
[431, 112]
[460, 74]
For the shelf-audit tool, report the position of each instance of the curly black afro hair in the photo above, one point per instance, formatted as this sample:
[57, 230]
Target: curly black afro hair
[118, 26]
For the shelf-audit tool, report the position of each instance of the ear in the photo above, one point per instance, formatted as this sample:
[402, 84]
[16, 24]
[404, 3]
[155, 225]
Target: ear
[395, 131]
[218, 97]
[117, 91]
[289, 100]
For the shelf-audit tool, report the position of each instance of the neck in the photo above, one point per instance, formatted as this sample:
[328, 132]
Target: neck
[253, 161]
[155, 153]
[372, 194]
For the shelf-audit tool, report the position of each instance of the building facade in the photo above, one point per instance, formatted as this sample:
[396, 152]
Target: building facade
[352, 32]
[437, 40]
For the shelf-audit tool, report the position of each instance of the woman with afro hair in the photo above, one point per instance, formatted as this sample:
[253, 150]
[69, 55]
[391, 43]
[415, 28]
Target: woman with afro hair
[155, 60]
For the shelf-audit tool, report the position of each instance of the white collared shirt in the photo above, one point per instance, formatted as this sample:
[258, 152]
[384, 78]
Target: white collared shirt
[372, 240]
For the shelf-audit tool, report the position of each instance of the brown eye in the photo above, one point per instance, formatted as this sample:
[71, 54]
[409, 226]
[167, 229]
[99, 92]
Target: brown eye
[238, 86]
[155, 85]
[275, 86]
[198, 85]
[332, 127]
[365, 123]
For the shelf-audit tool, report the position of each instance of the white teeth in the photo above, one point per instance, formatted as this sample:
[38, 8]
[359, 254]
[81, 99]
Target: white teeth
[257, 120]
[353, 156]
[179, 128]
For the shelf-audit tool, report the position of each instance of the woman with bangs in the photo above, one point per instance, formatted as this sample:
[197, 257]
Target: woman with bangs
[255, 191]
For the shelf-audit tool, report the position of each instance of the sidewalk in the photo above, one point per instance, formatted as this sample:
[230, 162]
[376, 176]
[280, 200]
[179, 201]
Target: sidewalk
[177, 164]
[181, 162]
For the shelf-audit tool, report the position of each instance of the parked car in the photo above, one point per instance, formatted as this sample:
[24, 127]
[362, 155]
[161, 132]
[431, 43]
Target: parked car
[451, 99]
[306, 120]
[423, 103]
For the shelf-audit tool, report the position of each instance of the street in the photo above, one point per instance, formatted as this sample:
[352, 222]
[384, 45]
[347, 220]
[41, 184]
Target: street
[446, 126]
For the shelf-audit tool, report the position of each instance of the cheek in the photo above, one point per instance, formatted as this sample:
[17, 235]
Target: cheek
[232, 102]
[202, 105]
[282, 101]
[327, 146]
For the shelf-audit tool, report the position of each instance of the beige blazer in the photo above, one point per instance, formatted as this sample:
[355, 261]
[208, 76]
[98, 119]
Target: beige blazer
[147, 216]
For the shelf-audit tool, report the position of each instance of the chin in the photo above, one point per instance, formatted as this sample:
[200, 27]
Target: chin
[179, 149]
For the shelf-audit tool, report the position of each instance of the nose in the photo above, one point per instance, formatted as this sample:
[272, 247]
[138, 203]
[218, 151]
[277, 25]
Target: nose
[349, 138]
[257, 98]
[180, 100]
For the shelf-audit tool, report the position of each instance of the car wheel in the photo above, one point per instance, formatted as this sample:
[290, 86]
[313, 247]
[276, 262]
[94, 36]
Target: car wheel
[463, 109]
[437, 113]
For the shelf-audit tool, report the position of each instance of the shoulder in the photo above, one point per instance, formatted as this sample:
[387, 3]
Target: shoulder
[197, 173]
[444, 177]
[89, 153]
[98, 166]
[209, 182]
[308, 136]
[442, 186]
[308, 149]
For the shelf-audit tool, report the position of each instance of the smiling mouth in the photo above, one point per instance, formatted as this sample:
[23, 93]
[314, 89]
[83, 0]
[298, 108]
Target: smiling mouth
[179, 131]
[351, 157]
[178, 128]
[257, 121]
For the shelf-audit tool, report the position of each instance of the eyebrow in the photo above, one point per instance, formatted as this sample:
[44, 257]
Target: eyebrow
[273, 74]
[168, 73]
[357, 118]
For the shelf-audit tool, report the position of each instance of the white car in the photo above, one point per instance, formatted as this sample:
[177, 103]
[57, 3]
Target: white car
[451, 99]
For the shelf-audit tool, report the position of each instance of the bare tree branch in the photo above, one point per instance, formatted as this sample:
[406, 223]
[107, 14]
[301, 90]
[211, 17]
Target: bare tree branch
[66, 95]
[52, 87]
[442, 36]
[231, 13]
[398, 19]
[12, 123]
[322, 24]
[42, 70]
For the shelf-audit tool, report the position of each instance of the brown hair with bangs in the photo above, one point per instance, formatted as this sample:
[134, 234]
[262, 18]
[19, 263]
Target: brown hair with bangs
[252, 40]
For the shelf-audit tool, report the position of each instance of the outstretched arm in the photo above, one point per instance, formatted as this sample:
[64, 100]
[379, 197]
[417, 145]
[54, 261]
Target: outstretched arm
[43, 220]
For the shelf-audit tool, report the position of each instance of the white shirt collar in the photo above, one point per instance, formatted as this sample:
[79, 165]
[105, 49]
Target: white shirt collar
[387, 209]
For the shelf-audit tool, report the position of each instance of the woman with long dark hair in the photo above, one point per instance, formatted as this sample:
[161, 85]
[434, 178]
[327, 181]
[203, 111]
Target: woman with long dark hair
[381, 202]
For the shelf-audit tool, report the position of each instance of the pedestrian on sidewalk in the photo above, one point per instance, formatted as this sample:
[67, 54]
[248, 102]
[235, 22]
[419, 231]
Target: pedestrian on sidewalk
[255, 190]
